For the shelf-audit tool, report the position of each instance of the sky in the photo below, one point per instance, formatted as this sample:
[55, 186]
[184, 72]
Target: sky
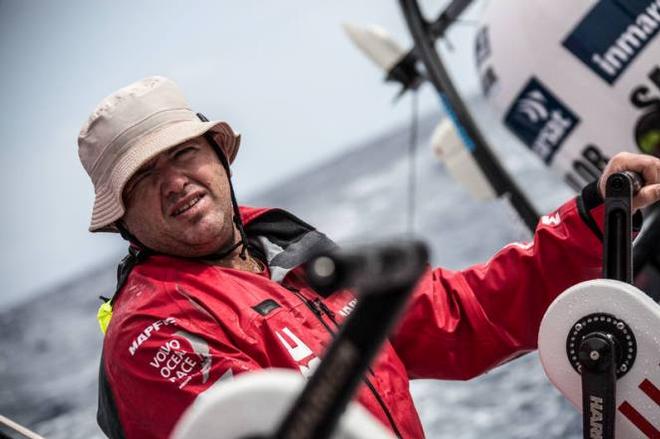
[281, 73]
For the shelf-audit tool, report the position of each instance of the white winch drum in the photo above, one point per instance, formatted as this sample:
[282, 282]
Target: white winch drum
[253, 404]
[637, 318]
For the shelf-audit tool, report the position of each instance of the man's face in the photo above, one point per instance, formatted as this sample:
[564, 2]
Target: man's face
[179, 203]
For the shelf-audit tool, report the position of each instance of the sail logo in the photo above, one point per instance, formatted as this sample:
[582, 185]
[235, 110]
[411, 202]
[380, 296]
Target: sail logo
[533, 106]
[482, 50]
[540, 120]
[482, 53]
[612, 34]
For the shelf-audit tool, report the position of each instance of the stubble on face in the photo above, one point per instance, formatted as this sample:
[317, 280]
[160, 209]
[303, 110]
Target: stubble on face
[179, 203]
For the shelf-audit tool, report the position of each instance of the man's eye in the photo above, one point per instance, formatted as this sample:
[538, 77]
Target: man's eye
[130, 187]
[184, 151]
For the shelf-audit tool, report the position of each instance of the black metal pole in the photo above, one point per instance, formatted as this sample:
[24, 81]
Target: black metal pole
[453, 10]
[500, 180]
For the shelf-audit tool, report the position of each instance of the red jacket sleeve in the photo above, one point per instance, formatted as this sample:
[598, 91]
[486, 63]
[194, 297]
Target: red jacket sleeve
[165, 356]
[462, 323]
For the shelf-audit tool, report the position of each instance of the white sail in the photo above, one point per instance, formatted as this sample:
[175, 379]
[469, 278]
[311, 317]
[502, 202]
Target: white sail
[576, 82]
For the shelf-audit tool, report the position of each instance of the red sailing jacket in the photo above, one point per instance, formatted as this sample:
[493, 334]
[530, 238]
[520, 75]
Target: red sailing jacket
[181, 325]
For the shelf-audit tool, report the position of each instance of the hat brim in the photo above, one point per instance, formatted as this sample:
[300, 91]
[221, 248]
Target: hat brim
[109, 204]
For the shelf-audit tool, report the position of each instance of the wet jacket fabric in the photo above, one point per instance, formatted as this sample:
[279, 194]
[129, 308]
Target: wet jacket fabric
[180, 326]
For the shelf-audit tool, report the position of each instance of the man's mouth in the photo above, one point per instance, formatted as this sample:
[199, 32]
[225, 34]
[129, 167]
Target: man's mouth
[186, 204]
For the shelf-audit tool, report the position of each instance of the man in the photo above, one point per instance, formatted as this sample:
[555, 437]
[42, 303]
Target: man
[210, 290]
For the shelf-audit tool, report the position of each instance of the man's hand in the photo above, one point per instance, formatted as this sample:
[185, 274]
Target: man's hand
[645, 165]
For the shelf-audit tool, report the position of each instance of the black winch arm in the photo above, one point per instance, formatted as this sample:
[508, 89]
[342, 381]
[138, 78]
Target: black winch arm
[617, 240]
[597, 357]
[384, 277]
[597, 351]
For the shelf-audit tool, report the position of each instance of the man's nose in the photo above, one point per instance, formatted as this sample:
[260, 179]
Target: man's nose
[172, 181]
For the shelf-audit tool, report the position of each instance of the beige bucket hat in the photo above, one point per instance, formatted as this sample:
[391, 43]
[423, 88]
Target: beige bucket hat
[129, 128]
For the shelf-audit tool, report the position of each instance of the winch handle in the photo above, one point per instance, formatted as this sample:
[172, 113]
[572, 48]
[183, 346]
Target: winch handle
[620, 189]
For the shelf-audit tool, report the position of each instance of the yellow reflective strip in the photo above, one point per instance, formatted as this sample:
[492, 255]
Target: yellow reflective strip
[104, 315]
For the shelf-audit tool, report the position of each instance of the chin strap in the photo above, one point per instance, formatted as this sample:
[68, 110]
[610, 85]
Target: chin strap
[136, 246]
[237, 214]
[241, 230]
[226, 251]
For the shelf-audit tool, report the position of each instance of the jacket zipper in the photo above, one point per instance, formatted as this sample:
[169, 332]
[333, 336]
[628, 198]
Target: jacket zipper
[317, 311]
[331, 316]
[318, 308]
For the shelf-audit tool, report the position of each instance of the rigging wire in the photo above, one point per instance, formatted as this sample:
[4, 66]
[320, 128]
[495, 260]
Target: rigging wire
[412, 163]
